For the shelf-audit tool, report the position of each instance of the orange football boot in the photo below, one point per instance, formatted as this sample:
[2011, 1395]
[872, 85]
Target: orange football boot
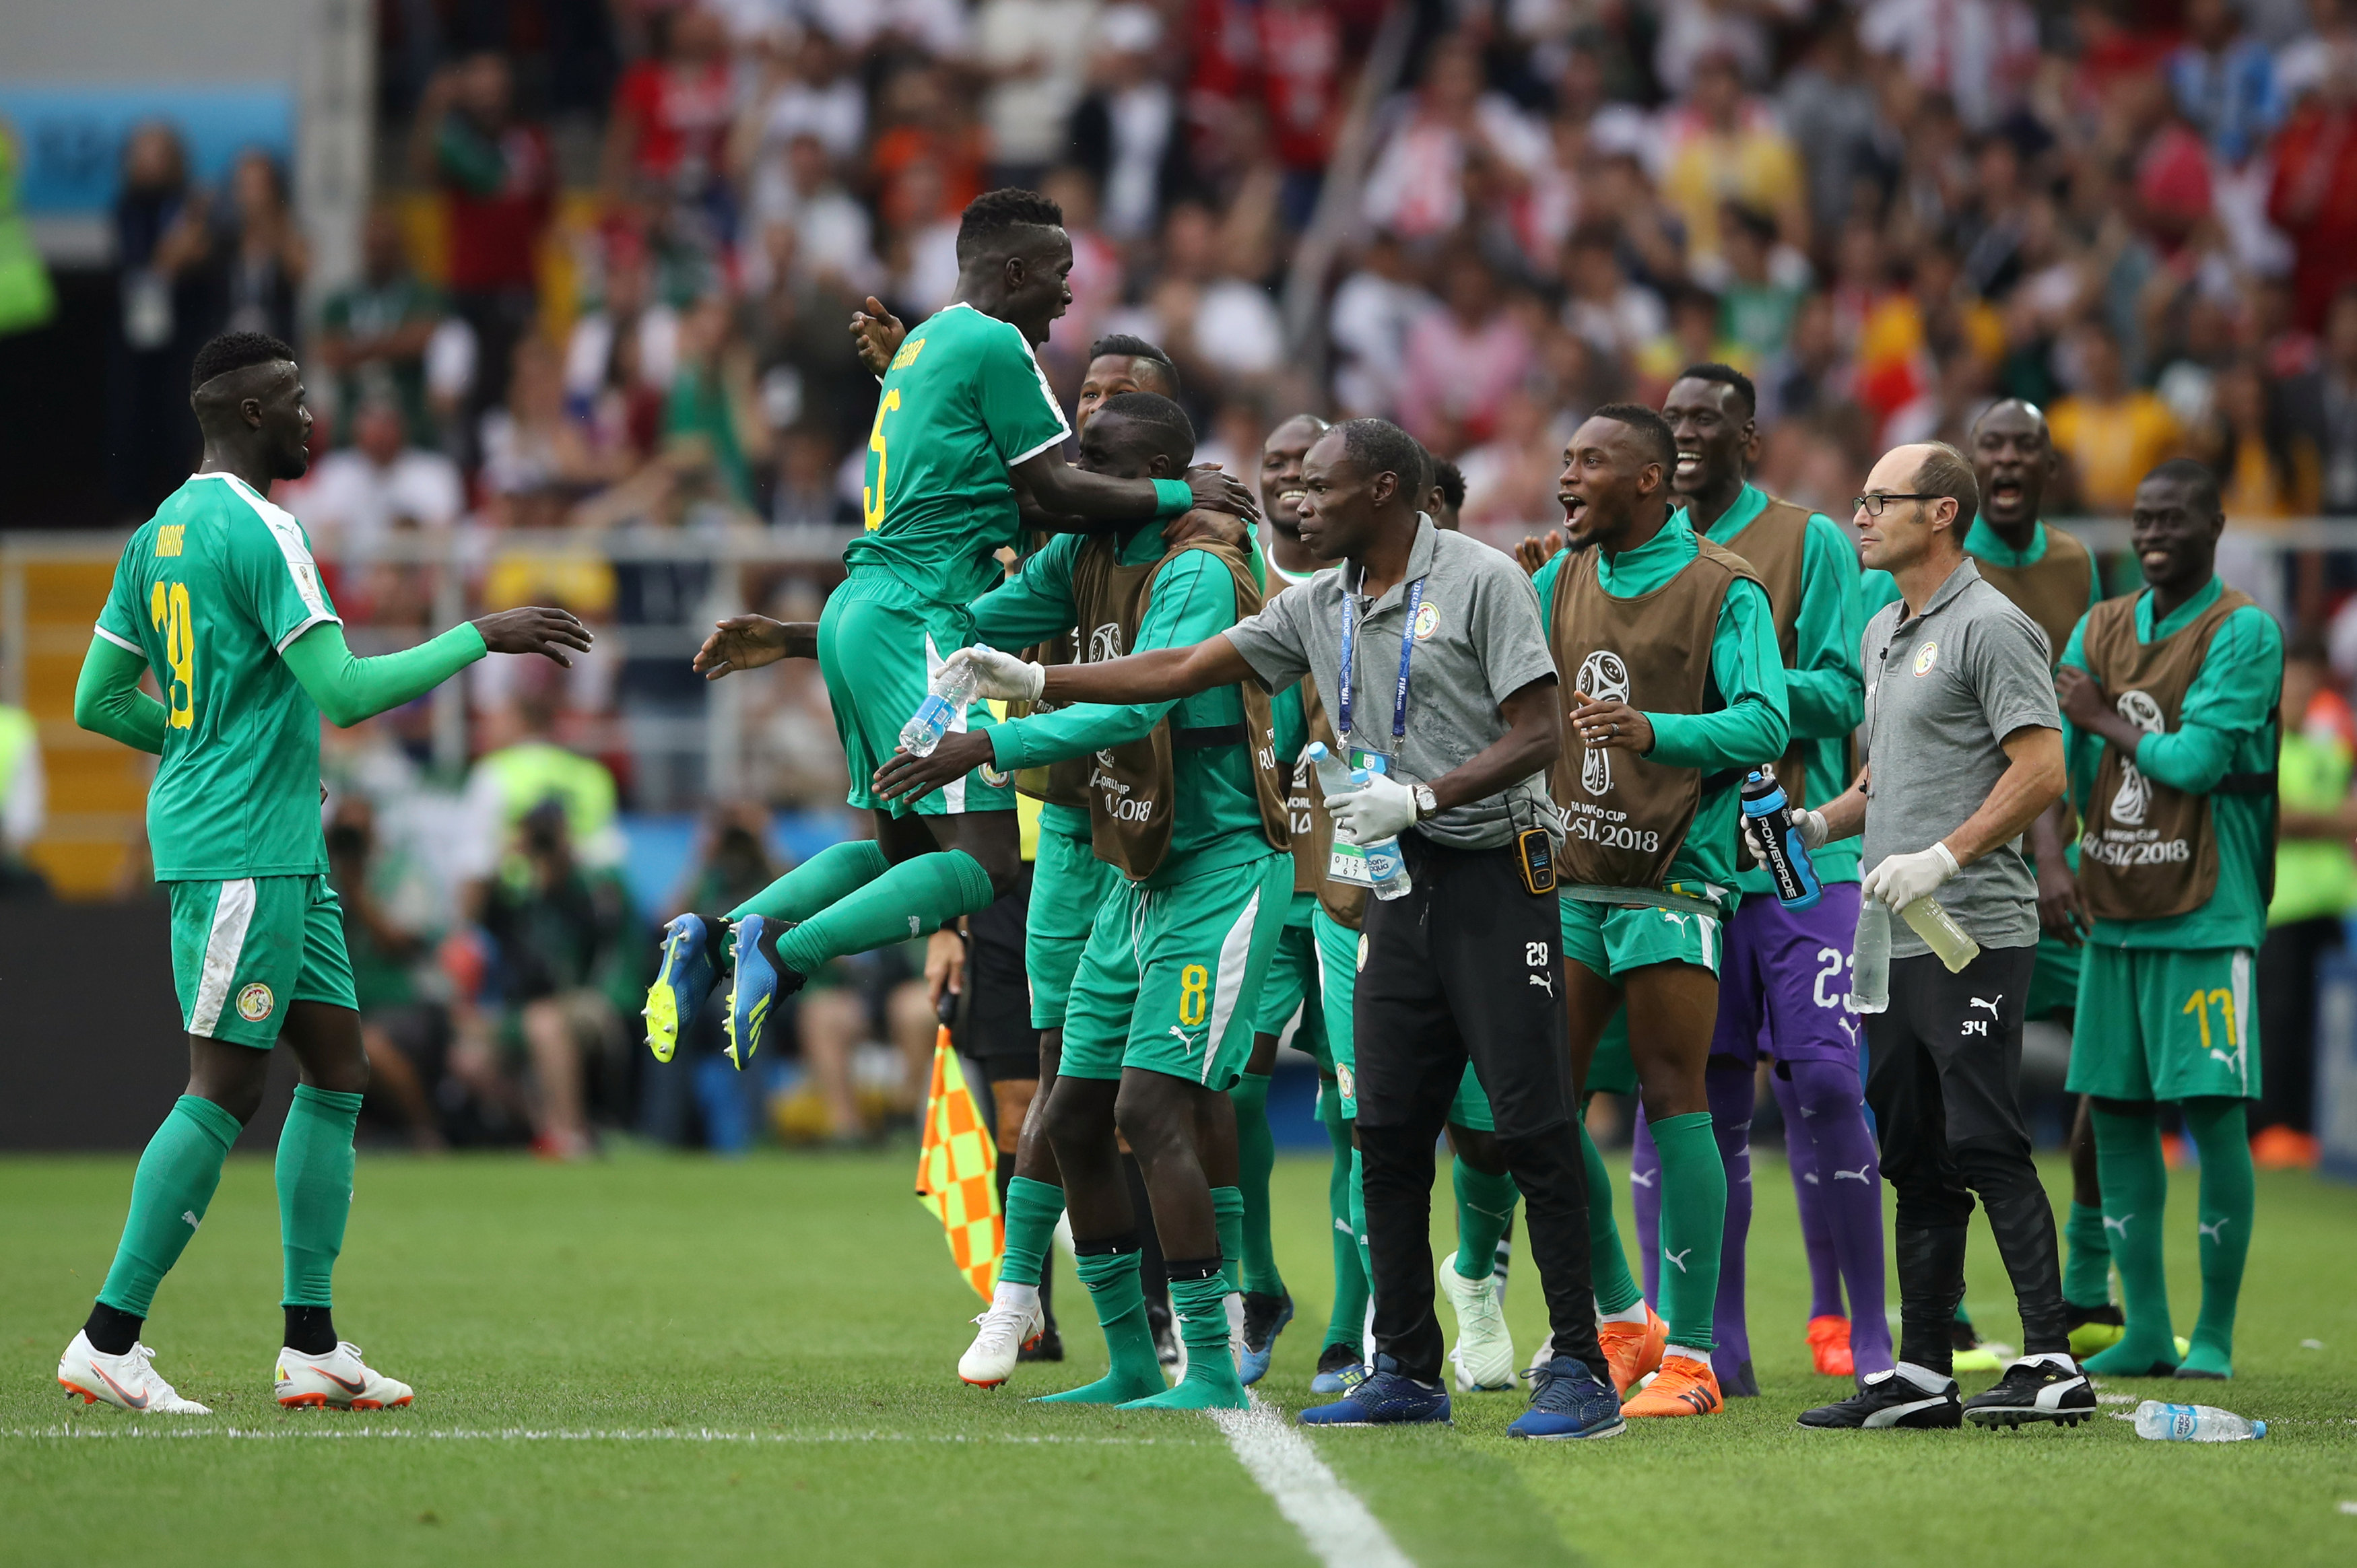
[1829, 1343]
[1633, 1349]
[1684, 1387]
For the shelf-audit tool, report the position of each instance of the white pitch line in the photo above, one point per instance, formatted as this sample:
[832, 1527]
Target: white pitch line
[1336, 1524]
[529, 1435]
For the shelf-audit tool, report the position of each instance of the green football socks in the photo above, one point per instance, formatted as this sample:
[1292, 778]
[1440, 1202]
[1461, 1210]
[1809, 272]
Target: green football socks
[1032, 1209]
[1608, 1260]
[2136, 1196]
[2219, 1132]
[909, 900]
[169, 1193]
[315, 1189]
[1228, 1217]
[1112, 1278]
[835, 872]
[2087, 1271]
[1211, 1383]
[1347, 1324]
[1255, 1159]
[1694, 1224]
[1485, 1205]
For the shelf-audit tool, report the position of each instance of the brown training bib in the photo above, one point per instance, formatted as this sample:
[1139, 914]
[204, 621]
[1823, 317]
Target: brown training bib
[1129, 787]
[2148, 852]
[2052, 591]
[1630, 815]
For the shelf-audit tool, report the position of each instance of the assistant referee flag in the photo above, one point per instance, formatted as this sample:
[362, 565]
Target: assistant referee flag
[957, 1173]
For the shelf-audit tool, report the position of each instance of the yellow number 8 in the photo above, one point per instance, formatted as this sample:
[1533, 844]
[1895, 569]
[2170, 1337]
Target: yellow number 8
[167, 604]
[1194, 984]
[871, 498]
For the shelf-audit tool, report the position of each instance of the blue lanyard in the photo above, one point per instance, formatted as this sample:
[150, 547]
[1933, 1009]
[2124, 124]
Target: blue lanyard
[1350, 665]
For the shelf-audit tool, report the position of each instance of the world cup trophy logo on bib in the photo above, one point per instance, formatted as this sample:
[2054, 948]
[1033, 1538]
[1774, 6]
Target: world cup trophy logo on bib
[1104, 644]
[1605, 679]
[2135, 796]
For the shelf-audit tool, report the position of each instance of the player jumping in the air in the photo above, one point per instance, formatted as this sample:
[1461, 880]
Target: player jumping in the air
[963, 415]
[218, 596]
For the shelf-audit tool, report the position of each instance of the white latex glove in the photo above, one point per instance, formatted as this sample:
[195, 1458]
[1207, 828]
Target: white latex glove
[1001, 675]
[1377, 812]
[1813, 833]
[1901, 880]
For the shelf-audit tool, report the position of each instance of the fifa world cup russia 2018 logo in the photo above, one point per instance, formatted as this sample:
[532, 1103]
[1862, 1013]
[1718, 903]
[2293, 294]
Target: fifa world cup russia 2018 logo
[2133, 797]
[1605, 679]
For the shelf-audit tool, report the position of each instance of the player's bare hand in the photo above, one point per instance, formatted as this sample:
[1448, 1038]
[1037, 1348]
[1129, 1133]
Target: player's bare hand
[536, 628]
[1197, 524]
[944, 965]
[2062, 907]
[2081, 696]
[906, 777]
[1214, 491]
[1610, 725]
[1533, 552]
[748, 642]
[878, 333]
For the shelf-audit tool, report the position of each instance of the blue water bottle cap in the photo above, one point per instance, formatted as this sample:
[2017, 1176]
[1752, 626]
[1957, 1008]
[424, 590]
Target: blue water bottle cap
[2258, 1429]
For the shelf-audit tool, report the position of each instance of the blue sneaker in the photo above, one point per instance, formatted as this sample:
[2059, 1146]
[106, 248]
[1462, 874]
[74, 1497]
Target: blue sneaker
[1568, 1401]
[1265, 1316]
[681, 983]
[1339, 1370]
[1388, 1397]
[763, 980]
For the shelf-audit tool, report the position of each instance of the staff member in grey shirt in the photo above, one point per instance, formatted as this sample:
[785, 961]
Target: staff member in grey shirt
[1965, 750]
[1449, 677]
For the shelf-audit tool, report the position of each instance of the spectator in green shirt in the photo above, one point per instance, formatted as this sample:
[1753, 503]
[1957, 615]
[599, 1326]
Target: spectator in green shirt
[373, 332]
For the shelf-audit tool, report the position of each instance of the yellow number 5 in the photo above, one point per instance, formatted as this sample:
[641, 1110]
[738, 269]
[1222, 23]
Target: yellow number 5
[871, 497]
[1194, 983]
[169, 605]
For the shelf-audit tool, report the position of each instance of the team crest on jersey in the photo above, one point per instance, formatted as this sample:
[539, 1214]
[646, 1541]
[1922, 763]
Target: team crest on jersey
[1428, 622]
[1345, 1081]
[255, 1002]
[1925, 657]
[992, 775]
[1363, 955]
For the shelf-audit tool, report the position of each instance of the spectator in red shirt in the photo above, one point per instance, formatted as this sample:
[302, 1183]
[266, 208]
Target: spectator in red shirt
[1301, 85]
[672, 115]
[498, 182]
[2315, 197]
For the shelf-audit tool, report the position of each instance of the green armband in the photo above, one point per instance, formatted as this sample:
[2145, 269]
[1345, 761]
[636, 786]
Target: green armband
[1172, 496]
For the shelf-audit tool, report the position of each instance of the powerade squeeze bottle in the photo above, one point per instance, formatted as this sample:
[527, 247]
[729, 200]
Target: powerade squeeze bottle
[1779, 843]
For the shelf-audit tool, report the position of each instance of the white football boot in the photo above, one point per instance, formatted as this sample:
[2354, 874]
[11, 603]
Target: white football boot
[1484, 1355]
[1013, 1324]
[339, 1380]
[126, 1381]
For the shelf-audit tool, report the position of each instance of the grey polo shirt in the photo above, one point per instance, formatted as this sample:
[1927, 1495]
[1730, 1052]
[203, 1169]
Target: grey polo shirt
[1943, 691]
[1477, 640]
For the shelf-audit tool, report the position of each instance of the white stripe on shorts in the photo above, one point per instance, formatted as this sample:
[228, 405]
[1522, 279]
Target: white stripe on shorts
[1708, 927]
[952, 792]
[223, 944]
[2241, 971]
[1235, 956]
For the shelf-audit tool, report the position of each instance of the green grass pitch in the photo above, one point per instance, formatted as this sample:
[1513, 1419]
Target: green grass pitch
[804, 1308]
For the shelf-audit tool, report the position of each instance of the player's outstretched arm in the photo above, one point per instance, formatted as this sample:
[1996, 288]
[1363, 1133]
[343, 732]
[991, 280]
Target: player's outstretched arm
[349, 689]
[1061, 488]
[108, 700]
[748, 642]
[1157, 676]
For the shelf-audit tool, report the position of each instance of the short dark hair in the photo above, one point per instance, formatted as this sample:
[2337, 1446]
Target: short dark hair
[1135, 348]
[992, 219]
[234, 351]
[1451, 480]
[1381, 447]
[1164, 423]
[1946, 472]
[1725, 376]
[2199, 477]
[1650, 426]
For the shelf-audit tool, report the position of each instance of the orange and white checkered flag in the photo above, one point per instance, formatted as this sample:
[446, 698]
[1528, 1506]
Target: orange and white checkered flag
[957, 1173]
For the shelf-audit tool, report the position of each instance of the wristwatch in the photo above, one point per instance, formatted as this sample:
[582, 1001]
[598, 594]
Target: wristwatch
[1426, 803]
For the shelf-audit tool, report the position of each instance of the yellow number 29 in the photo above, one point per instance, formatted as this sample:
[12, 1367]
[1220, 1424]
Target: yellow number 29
[169, 605]
[1194, 983]
[871, 497]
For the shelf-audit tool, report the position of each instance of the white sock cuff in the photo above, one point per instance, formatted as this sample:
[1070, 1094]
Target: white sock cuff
[1014, 1294]
[1631, 1313]
[1688, 1351]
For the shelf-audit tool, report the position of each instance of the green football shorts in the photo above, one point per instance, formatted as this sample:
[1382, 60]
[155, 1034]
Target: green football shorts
[1170, 978]
[2054, 978]
[1609, 941]
[879, 643]
[1293, 985]
[2154, 1024]
[1069, 884]
[243, 950]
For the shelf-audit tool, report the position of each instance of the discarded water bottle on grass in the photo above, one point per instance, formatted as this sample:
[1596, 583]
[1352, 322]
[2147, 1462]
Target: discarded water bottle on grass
[1939, 928]
[1386, 864]
[1869, 970]
[2194, 1423]
[952, 689]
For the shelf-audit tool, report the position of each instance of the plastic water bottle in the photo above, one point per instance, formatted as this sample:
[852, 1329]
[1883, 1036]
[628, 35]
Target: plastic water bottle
[1779, 843]
[1386, 866]
[1333, 776]
[1869, 971]
[2194, 1423]
[952, 689]
[1939, 928]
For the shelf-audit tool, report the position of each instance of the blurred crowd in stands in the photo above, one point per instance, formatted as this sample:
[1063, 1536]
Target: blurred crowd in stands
[616, 242]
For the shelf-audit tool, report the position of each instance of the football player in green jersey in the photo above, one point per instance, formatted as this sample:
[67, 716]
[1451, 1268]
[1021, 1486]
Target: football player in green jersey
[963, 415]
[217, 595]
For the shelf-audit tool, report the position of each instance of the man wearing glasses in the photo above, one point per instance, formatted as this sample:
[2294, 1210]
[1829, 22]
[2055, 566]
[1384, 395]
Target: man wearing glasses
[1965, 749]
